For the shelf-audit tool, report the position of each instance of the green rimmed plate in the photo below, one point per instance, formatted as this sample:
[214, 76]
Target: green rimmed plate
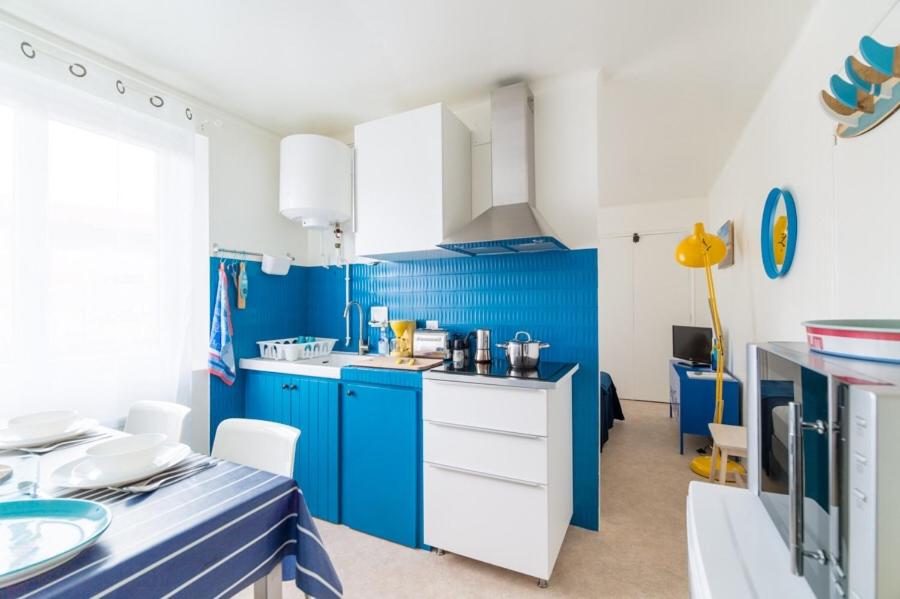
[39, 534]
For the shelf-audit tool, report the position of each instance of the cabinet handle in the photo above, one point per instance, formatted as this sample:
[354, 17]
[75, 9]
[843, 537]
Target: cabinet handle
[293, 387]
[482, 429]
[350, 393]
[506, 479]
[285, 386]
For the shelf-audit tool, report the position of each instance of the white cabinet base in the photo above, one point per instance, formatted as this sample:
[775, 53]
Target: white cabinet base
[497, 476]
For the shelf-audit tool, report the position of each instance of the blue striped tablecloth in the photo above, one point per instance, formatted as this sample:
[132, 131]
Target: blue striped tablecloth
[207, 536]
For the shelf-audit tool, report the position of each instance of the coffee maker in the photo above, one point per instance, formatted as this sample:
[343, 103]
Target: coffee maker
[482, 345]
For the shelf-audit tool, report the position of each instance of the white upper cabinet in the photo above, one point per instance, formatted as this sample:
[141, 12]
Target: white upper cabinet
[413, 183]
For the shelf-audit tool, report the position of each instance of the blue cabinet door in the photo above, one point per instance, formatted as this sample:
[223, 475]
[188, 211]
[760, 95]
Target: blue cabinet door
[379, 461]
[314, 410]
[264, 397]
[311, 405]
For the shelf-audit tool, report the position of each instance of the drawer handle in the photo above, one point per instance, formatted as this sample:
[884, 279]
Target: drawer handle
[506, 479]
[285, 386]
[481, 429]
[293, 387]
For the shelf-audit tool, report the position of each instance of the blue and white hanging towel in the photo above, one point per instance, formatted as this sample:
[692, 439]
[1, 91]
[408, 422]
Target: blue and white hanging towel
[221, 350]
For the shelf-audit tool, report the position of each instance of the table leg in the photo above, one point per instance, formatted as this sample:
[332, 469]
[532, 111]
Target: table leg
[712, 463]
[269, 586]
[723, 466]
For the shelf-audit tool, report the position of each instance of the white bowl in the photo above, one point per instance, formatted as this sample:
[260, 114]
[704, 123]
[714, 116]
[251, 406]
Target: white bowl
[124, 454]
[42, 424]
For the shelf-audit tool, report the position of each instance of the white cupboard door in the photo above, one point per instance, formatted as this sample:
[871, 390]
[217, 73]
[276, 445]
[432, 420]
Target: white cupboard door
[512, 455]
[495, 521]
[399, 182]
[486, 406]
[662, 298]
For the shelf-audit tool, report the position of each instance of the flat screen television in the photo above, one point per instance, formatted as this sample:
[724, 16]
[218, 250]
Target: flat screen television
[692, 344]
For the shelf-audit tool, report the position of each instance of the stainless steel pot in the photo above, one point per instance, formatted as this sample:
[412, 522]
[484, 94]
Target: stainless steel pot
[523, 354]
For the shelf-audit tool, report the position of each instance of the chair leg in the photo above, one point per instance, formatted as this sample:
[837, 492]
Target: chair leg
[269, 586]
[712, 463]
[723, 466]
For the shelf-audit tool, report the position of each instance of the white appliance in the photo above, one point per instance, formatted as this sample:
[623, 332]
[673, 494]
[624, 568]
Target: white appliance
[497, 477]
[413, 183]
[823, 460]
[316, 180]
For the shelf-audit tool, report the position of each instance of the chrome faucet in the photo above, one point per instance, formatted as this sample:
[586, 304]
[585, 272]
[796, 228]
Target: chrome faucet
[363, 342]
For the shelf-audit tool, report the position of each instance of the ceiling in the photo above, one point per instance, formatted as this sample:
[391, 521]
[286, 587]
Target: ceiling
[681, 78]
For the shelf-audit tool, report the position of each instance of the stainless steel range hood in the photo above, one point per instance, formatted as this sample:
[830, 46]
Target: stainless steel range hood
[512, 224]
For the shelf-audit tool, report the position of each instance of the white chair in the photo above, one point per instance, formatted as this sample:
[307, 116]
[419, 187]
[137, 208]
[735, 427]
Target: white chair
[259, 444]
[165, 417]
[728, 441]
[265, 446]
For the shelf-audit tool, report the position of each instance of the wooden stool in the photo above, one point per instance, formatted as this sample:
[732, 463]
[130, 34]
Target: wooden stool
[728, 441]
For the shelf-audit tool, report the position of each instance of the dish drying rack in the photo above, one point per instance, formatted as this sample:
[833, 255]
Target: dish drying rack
[289, 349]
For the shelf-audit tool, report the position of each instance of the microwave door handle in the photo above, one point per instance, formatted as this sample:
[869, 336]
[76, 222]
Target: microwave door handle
[795, 487]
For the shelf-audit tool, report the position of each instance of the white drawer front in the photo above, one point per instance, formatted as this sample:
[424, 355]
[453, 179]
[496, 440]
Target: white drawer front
[513, 455]
[491, 520]
[486, 406]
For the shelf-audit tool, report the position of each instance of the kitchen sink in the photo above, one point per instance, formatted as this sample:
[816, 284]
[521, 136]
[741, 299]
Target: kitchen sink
[328, 367]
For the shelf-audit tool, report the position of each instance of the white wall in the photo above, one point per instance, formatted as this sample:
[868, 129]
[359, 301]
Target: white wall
[846, 191]
[243, 192]
[566, 154]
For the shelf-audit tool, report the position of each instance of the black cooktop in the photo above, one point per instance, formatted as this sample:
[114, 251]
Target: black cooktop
[549, 372]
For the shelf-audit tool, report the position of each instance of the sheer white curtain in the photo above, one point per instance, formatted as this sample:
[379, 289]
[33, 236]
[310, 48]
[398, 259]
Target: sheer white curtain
[97, 210]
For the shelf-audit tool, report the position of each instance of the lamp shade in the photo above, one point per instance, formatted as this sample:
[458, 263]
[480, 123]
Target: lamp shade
[691, 250]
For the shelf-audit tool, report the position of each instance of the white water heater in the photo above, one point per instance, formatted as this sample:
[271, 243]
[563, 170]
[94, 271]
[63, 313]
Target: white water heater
[315, 180]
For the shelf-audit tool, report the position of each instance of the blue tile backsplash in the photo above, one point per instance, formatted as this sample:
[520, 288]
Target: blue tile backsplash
[552, 295]
[276, 307]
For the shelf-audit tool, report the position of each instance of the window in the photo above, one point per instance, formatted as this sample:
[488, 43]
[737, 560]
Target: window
[96, 211]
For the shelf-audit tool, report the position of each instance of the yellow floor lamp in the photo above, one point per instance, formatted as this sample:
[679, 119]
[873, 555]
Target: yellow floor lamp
[701, 250]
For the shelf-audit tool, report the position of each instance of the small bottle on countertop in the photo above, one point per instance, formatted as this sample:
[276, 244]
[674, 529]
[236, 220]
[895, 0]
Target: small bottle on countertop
[459, 354]
[383, 345]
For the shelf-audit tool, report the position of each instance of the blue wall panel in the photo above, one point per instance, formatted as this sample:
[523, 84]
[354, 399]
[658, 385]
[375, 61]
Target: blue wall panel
[553, 295]
[276, 307]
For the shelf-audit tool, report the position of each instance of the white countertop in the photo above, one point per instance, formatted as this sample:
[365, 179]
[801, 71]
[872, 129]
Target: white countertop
[734, 549]
[326, 367]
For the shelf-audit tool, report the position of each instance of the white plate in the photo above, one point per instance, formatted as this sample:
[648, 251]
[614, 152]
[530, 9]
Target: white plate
[10, 440]
[85, 473]
[40, 534]
[41, 424]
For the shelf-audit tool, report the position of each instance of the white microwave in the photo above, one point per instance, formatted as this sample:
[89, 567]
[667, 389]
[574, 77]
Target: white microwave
[824, 459]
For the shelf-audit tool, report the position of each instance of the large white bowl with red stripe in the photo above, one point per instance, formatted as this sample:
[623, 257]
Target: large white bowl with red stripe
[863, 339]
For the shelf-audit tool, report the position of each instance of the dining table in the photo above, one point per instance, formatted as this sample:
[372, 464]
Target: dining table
[209, 535]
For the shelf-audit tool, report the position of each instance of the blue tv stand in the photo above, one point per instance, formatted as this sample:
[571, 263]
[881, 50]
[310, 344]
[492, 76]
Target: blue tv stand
[692, 398]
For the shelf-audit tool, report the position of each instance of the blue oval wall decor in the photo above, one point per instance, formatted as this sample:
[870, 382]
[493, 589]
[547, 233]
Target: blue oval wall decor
[787, 235]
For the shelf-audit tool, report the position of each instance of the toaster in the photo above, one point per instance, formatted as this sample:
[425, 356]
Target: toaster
[430, 343]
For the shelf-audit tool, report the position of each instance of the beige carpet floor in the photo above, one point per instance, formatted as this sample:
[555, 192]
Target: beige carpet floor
[640, 550]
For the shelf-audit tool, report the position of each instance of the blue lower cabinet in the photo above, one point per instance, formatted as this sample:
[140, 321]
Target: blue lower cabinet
[266, 397]
[315, 411]
[311, 405]
[379, 461]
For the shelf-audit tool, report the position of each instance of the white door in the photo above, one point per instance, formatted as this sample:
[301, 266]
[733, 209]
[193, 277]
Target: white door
[662, 298]
[615, 295]
[642, 293]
